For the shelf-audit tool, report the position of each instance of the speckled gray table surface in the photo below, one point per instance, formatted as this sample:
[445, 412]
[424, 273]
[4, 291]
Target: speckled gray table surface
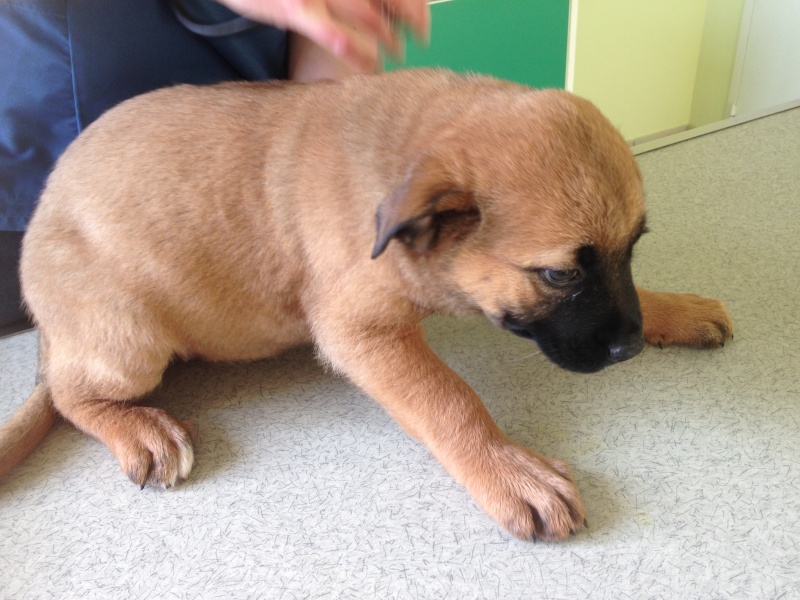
[689, 461]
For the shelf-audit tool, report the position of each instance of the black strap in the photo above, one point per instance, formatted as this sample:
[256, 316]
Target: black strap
[230, 27]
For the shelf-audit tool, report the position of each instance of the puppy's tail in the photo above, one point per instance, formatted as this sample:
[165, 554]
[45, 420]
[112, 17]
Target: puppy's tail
[26, 428]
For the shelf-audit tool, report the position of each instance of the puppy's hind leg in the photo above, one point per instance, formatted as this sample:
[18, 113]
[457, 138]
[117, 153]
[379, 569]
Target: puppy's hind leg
[96, 394]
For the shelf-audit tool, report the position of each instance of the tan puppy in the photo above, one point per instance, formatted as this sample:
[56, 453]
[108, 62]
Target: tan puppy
[234, 221]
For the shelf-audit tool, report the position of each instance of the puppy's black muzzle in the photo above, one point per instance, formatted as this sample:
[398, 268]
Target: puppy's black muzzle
[582, 347]
[600, 325]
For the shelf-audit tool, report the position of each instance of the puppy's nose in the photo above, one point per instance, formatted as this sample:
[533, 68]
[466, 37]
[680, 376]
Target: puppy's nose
[625, 350]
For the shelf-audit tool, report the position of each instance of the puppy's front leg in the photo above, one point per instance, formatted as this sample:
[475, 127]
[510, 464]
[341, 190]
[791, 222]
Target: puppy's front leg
[530, 495]
[685, 319]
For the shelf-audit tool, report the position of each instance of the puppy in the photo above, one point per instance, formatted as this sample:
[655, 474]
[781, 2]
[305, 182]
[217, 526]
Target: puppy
[234, 221]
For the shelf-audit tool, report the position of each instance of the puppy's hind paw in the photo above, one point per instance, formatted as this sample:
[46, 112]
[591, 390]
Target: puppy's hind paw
[153, 447]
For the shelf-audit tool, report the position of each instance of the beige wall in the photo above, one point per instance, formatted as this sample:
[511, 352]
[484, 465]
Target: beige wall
[637, 60]
[715, 67]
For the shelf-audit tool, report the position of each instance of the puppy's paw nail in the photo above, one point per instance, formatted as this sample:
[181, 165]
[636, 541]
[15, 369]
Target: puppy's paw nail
[538, 523]
[139, 472]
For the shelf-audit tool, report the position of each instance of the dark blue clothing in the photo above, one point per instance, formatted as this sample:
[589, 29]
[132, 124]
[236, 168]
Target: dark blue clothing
[63, 63]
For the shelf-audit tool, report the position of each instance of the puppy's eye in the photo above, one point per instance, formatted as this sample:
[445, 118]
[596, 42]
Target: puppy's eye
[560, 277]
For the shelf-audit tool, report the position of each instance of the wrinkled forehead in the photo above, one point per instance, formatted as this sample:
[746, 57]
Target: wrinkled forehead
[561, 246]
[554, 173]
[553, 219]
[584, 175]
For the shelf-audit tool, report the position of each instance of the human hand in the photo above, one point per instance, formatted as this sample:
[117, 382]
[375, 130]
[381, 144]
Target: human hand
[351, 30]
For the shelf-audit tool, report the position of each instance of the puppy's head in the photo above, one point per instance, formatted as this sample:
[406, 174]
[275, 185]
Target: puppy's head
[527, 207]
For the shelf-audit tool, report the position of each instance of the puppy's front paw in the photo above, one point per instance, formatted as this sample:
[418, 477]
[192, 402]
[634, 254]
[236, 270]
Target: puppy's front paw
[529, 495]
[685, 319]
[152, 446]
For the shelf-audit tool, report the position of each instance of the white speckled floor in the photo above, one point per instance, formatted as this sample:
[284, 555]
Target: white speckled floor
[689, 461]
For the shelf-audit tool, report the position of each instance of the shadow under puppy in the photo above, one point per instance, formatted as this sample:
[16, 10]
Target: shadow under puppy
[231, 222]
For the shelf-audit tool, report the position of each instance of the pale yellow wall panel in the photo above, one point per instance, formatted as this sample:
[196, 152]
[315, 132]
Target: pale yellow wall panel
[637, 60]
[717, 55]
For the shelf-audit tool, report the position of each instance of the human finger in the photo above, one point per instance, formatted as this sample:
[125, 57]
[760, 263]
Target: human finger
[367, 17]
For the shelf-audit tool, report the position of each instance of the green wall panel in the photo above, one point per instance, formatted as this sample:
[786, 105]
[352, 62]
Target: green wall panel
[519, 40]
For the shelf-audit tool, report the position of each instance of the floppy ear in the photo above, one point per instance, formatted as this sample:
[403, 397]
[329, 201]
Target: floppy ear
[427, 208]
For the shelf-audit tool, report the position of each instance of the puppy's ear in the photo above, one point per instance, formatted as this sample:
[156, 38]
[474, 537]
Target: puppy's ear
[428, 208]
